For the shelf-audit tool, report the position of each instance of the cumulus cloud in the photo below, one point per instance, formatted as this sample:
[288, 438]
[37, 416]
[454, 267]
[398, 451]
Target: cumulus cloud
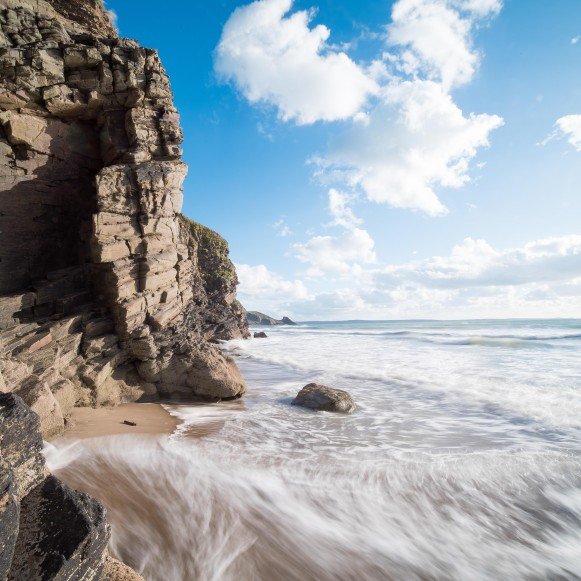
[342, 254]
[475, 263]
[417, 139]
[275, 57]
[539, 279]
[407, 137]
[340, 211]
[436, 36]
[570, 127]
[258, 282]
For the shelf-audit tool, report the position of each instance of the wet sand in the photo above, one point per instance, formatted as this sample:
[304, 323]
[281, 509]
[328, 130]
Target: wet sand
[150, 418]
[140, 504]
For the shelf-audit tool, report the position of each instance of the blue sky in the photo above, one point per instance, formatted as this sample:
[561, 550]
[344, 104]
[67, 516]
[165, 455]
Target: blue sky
[378, 159]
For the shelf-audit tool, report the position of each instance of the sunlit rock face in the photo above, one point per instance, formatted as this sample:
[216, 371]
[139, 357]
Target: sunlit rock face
[107, 294]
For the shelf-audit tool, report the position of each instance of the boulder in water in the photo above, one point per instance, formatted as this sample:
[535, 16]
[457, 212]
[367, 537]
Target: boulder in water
[260, 335]
[320, 397]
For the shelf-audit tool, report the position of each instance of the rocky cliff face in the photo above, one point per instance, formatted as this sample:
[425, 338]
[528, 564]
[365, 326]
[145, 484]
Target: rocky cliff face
[223, 317]
[107, 293]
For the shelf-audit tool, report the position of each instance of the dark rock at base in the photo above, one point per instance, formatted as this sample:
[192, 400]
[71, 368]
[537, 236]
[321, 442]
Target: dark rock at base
[9, 517]
[47, 530]
[21, 443]
[63, 535]
[320, 397]
[260, 335]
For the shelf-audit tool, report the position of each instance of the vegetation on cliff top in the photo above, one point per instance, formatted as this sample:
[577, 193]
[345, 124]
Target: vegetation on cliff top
[212, 249]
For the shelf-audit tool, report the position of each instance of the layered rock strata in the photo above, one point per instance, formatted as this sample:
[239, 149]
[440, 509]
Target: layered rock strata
[107, 294]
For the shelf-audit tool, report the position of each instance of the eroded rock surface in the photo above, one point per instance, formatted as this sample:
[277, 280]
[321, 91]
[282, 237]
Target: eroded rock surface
[107, 293]
[216, 281]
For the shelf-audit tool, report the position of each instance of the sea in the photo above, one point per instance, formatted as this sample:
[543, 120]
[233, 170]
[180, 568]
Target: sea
[461, 461]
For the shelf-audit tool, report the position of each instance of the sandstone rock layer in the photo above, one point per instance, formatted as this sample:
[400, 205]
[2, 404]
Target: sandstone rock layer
[107, 294]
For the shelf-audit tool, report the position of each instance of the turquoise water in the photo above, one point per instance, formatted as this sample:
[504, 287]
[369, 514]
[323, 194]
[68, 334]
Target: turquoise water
[462, 460]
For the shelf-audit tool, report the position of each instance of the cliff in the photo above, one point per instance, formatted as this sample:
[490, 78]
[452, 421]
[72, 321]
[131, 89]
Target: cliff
[222, 315]
[107, 293]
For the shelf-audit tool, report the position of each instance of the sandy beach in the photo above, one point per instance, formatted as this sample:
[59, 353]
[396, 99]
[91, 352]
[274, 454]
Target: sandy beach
[150, 418]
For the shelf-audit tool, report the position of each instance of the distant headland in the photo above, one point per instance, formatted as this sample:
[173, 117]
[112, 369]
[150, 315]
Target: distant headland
[256, 318]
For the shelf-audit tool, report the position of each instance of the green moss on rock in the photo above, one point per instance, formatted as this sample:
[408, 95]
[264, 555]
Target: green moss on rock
[208, 239]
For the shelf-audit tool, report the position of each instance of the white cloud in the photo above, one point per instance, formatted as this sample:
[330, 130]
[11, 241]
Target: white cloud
[282, 228]
[340, 211]
[437, 40]
[258, 282]
[474, 263]
[436, 34]
[480, 8]
[274, 57]
[342, 254]
[570, 126]
[575, 39]
[417, 139]
[540, 279]
[407, 137]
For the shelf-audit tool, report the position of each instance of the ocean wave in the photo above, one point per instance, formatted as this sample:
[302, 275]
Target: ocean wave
[521, 377]
[450, 338]
[506, 342]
